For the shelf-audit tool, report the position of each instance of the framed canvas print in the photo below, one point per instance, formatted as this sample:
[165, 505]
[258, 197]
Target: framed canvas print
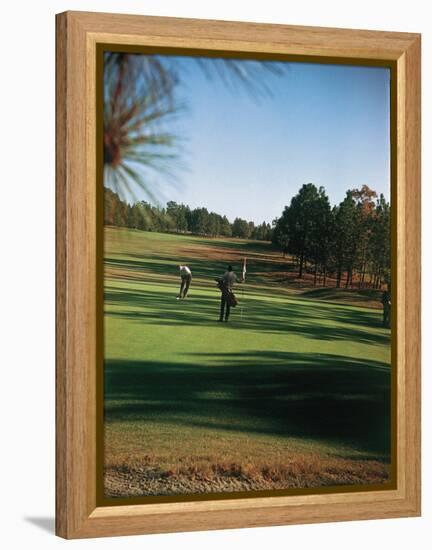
[238, 274]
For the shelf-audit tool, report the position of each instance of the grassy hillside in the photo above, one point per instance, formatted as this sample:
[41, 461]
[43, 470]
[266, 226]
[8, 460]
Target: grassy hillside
[292, 392]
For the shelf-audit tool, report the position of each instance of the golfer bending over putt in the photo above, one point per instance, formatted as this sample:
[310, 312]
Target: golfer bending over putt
[186, 278]
[228, 300]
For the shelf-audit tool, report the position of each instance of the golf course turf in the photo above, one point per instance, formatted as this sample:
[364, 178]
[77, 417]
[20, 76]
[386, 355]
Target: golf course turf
[294, 391]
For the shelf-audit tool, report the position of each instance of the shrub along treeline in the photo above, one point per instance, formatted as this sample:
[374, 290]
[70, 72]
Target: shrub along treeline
[179, 218]
[349, 242]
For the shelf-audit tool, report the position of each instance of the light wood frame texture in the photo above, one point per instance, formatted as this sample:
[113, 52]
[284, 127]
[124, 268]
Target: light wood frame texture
[78, 34]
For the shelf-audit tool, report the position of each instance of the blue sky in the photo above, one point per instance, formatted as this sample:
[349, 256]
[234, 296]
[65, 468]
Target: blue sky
[325, 124]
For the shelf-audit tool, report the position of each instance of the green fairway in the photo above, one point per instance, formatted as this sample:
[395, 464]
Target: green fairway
[293, 391]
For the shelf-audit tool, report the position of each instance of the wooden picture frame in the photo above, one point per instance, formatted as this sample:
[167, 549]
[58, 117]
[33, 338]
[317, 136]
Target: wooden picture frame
[78, 35]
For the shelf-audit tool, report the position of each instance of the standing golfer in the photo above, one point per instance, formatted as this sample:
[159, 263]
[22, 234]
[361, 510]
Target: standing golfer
[386, 302]
[186, 278]
[226, 284]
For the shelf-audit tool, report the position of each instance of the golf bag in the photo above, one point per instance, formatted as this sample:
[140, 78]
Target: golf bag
[227, 293]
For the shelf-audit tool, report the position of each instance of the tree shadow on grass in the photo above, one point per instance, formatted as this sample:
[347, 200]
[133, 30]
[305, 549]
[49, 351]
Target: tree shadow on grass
[287, 394]
[206, 267]
[166, 265]
[310, 320]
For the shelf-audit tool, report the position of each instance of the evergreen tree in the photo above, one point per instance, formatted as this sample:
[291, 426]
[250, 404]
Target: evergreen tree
[297, 230]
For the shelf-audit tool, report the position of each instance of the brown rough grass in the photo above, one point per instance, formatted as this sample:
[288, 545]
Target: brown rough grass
[147, 478]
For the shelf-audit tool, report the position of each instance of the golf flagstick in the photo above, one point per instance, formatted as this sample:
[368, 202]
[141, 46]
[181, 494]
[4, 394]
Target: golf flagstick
[243, 282]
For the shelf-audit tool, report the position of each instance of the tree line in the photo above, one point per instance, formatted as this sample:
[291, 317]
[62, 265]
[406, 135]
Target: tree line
[179, 218]
[349, 242]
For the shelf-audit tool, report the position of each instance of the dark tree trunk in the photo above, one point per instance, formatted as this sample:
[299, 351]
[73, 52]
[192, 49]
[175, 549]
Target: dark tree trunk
[339, 277]
[347, 278]
[301, 267]
[363, 275]
[379, 282]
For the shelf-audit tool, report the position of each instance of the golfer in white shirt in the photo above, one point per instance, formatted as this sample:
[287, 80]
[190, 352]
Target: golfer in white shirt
[186, 278]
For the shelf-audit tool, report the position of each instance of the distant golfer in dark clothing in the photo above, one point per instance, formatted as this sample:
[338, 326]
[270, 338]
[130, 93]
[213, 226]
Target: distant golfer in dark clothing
[386, 302]
[226, 284]
[186, 278]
